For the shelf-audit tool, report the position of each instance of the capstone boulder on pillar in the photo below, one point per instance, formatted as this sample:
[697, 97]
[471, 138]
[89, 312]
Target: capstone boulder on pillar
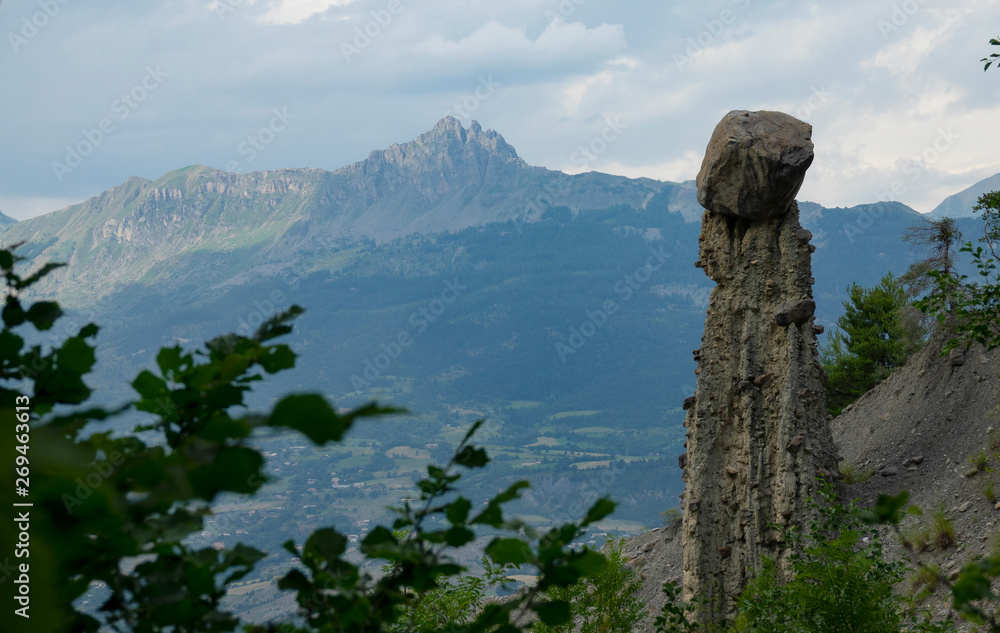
[758, 440]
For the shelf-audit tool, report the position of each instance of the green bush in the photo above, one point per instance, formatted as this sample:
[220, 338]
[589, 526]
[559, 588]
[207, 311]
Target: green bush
[605, 602]
[841, 581]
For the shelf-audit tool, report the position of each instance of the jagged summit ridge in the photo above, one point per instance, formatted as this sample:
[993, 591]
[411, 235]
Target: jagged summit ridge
[446, 155]
[447, 179]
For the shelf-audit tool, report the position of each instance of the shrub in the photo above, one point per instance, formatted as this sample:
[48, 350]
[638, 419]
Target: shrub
[671, 516]
[942, 529]
[980, 460]
[841, 580]
[924, 580]
[606, 602]
[989, 489]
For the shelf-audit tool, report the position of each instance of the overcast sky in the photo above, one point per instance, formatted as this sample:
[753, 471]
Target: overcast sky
[96, 91]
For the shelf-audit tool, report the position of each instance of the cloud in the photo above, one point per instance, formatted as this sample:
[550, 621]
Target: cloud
[297, 11]
[677, 170]
[904, 57]
[557, 79]
[495, 43]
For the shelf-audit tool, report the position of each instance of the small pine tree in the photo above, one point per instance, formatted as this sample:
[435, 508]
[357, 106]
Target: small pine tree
[873, 337]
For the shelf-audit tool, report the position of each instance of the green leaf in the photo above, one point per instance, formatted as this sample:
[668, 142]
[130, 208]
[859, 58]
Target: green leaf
[472, 431]
[509, 551]
[43, 314]
[10, 345]
[472, 457]
[6, 260]
[13, 314]
[44, 270]
[381, 536]
[169, 360]
[971, 585]
[588, 563]
[601, 508]
[554, 612]
[76, 356]
[458, 511]
[459, 536]
[277, 358]
[311, 415]
[150, 386]
[224, 428]
[326, 545]
[887, 510]
[294, 580]
[233, 469]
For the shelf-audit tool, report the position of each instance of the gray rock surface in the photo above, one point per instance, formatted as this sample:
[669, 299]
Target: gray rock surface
[755, 164]
[770, 437]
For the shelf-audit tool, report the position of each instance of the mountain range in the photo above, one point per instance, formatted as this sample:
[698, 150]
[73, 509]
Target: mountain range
[960, 205]
[448, 276]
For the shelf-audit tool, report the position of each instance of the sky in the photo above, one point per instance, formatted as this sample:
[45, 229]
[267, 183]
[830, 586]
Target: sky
[97, 91]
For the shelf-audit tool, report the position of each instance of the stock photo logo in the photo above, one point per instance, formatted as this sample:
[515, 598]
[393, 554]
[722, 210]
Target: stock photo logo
[418, 321]
[32, 25]
[258, 142]
[372, 29]
[626, 287]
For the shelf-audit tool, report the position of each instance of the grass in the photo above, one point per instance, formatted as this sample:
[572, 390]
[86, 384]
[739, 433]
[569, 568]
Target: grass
[980, 460]
[989, 490]
[917, 538]
[925, 579]
[995, 543]
[942, 529]
[993, 440]
[853, 475]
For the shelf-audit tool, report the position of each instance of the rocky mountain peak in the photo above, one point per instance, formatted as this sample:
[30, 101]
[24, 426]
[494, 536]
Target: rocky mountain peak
[447, 156]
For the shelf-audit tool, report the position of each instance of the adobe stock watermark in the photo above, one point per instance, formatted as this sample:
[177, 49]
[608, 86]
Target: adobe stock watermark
[816, 101]
[900, 15]
[465, 107]
[565, 9]
[223, 7]
[538, 203]
[257, 142]
[915, 168]
[585, 155]
[32, 25]
[100, 472]
[123, 106]
[419, 320]
[365, 35]
[713, 30]
[277, 300]
[626, 287]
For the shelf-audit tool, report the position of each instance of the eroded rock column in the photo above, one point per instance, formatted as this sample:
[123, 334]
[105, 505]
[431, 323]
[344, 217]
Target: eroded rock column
[757, 432]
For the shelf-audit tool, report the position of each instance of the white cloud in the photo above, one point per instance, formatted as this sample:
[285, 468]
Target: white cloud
[298, 11]
[495, 41]
[904, 57]
[678, 170]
